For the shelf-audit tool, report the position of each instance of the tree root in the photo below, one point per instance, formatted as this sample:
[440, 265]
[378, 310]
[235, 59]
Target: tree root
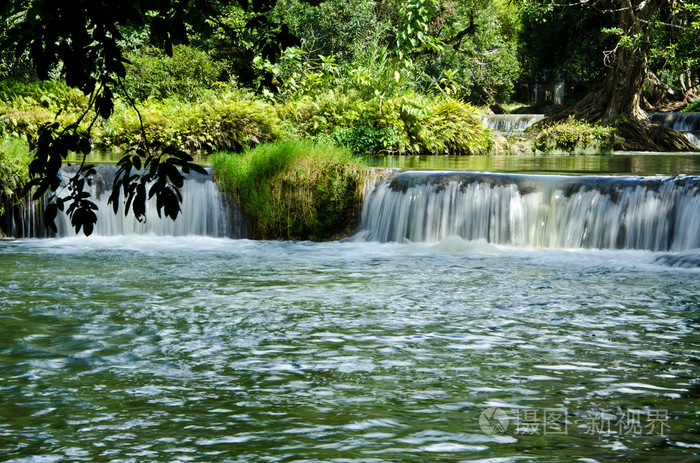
[631, 133]
[634, 135]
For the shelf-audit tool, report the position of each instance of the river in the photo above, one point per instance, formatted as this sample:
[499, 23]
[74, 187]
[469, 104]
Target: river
[197, 348]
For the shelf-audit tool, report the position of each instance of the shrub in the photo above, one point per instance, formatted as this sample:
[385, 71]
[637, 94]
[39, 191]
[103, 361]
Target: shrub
[222, 122]
[573, 137]
[25, 106]
[693, 107]
[408, 123]
[454, 128]
[364, 140]
[294, 190]
[52, 95]
[185, 74]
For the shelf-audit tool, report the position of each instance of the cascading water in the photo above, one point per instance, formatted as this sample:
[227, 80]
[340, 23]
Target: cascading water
[652, 213]
[688, 123]
[204, 212]
[510, 124]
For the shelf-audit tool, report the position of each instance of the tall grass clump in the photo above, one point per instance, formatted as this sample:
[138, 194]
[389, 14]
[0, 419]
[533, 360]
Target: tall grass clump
[294, 190]
[15, 157]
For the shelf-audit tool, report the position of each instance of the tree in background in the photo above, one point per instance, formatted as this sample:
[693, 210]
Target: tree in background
[633, 29]
[480, 47]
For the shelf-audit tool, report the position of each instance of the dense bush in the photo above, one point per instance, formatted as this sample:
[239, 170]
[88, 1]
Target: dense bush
[406, 124]
[294, 190]
[573, 137]
[53, 95]
[186, 74]
[25, 106]
[229, 121]
[397, 122]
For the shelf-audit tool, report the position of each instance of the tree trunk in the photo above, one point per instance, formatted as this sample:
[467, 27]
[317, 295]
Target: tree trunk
[617, 102]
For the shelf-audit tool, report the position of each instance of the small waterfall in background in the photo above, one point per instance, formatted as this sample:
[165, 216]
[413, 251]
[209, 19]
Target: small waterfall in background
[510, 124]
[651, 213]
[688, 123]
[204, 212]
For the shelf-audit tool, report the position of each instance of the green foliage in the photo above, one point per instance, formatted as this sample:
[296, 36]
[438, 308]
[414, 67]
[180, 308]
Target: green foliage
[294, 190]
[693, 107]
[379, 50]
[453, 128]
[587, 39]
[674, 37]
[53, 95]
[364, 140]
[87, 52]
[573, 137]
[242, 31]
[15, 157]
[479, 58]
[26, 106]
[228, 121]
[337, 28]
[564, 42]
[409, 123]
[414, 35]
[186, 74]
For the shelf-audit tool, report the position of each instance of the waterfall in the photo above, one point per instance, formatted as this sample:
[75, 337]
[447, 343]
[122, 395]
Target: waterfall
[653, 213]
[510, 124]
[204, 212]
[688, 123]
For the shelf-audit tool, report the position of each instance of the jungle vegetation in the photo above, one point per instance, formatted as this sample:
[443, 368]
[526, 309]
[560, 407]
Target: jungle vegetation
[160, 80]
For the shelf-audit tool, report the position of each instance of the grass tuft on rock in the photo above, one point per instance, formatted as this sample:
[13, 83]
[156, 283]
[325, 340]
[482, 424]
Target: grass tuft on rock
[294, 190]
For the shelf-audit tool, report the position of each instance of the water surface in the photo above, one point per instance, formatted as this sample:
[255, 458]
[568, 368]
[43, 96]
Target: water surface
[622, 163]
[209, 349]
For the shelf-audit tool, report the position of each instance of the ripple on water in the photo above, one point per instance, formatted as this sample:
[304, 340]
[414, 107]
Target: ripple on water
[221, 350]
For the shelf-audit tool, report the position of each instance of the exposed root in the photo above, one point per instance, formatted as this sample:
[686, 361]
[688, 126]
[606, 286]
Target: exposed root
[632, 132]
[633, 135]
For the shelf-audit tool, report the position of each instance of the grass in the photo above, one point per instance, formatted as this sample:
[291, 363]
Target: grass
[294, 190]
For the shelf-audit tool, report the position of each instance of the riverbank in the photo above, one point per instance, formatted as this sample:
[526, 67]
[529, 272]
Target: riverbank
[227, 118]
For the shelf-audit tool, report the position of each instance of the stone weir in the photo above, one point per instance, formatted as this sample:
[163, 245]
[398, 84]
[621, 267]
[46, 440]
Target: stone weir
[204, 212]
[652, 213]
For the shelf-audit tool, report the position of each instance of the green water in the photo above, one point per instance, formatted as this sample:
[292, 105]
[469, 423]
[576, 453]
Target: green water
[620, 163]
[201, 349]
